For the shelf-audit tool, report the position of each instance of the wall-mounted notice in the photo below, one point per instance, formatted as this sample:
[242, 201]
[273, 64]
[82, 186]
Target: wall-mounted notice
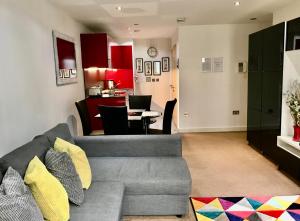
[218, 64]
[206, 65]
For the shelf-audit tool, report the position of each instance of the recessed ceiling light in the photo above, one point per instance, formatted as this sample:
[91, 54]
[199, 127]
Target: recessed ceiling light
[119, 8]
[136, 24]
[253, 19]
[237, 3]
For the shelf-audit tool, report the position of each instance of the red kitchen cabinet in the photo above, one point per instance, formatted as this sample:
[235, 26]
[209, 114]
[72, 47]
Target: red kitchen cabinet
[121, 57]
[94, 102]
[94, 50]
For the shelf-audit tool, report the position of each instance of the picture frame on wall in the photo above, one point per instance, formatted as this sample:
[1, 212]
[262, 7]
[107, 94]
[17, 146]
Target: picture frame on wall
[148, 68]
[139, 65]
[65, 59]
[156, 68]
[67, 74]
[165, 64]
[148, 79]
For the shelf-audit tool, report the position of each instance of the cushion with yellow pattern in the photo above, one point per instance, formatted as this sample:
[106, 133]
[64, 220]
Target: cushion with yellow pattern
[47, 191]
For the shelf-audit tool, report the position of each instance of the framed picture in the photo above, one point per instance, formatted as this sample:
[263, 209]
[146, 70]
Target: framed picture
[148, 68]
[165, 64]
[148, 79]
[139, 65]
[65, 59]
[156, 68]
[67, 74]
[206, 65]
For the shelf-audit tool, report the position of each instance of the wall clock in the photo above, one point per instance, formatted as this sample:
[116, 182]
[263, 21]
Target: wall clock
[152, 52]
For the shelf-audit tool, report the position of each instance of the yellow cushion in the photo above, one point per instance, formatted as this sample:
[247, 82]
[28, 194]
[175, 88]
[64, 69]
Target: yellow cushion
[48, 192]
[79, 159]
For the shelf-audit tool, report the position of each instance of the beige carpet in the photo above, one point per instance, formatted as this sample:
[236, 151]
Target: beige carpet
[222, 164]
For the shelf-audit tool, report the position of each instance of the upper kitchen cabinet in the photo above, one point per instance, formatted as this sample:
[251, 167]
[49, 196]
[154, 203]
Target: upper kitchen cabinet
[94, 50]
[121, 57]
[293, 35]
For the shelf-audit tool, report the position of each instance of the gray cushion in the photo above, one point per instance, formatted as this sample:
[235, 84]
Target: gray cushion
[61, 166]
[62, 131]
[1, 176]
[103, 201]
[142, 176]
[16, 200]
[20, 157]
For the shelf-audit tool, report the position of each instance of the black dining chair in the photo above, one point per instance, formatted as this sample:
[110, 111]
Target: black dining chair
[140, 102]
[167, 119]
[115, 119]
[85, 119]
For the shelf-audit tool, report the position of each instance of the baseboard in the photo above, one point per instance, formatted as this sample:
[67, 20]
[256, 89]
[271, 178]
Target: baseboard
[212, 129]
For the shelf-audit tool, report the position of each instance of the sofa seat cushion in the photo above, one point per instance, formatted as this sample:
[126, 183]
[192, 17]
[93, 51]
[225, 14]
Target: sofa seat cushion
[103, 201]
[144, 176]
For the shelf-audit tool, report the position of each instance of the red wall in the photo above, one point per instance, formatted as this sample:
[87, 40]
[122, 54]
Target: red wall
[122, 76]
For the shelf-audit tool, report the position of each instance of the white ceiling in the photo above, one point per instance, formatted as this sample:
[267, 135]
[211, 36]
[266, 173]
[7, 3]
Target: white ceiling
[157, 18]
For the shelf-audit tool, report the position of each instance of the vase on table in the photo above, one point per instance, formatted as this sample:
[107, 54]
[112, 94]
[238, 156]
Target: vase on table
[296, 133]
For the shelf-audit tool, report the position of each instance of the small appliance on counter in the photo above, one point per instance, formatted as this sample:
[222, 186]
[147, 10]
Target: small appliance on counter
[110, 84]
[95, 91]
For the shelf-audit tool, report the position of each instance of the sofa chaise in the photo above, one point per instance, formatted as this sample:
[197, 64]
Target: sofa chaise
[132, 175]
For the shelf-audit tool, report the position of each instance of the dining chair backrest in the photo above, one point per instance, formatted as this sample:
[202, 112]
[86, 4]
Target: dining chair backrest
[168, 115]
[84, 117]
[114, 119]
[140, 102]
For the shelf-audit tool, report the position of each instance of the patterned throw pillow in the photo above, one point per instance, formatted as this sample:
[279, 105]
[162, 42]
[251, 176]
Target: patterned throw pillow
[16, 200]
[61, 166]
[79, 159]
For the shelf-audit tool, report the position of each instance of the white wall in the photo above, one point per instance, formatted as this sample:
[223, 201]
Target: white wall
[210, 98]
[287, 13]
[291, 70]
[160, 91]
[30, 100]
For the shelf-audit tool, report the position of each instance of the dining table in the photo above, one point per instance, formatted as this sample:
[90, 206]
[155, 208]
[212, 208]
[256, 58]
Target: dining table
[140, 115]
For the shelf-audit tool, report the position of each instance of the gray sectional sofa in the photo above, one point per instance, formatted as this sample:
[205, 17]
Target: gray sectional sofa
[132, 175]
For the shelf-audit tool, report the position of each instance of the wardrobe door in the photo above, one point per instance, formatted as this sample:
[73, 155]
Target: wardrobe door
[254, 89]
[273, 48]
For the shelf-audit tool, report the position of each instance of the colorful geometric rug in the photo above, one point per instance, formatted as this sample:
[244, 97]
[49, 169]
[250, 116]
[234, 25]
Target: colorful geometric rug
[277, 208]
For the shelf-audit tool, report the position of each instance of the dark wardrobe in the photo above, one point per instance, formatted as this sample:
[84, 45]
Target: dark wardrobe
[266, 50]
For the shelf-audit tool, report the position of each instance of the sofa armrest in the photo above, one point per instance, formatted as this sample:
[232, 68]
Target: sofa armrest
[131, 146]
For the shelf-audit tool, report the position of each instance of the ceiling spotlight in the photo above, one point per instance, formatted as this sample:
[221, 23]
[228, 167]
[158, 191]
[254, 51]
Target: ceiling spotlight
[181, 20]
[237, 3]
[119, 8]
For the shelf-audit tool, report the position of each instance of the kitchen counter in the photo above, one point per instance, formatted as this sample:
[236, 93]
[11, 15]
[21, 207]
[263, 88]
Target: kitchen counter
[110, 96]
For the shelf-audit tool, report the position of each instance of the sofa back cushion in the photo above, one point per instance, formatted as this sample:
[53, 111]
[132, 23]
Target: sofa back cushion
[62, 131]
[1, 177]
[20, 157]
